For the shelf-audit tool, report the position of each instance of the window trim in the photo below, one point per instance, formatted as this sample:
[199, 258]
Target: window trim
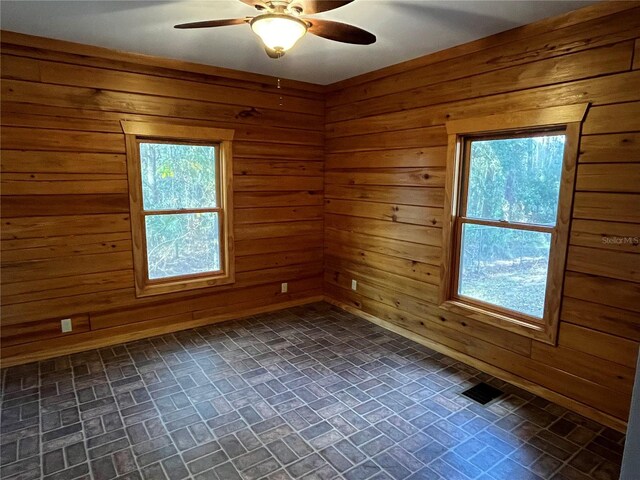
[140, 132]
[566, 118]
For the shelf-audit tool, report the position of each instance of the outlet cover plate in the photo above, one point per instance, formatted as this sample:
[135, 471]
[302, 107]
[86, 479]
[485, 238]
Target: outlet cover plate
[65, 325]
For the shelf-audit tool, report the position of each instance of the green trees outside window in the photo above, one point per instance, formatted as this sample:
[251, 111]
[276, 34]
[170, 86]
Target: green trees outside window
[511, 194]
[180, 200]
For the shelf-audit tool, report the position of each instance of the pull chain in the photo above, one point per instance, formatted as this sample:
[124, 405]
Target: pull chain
[278, 86]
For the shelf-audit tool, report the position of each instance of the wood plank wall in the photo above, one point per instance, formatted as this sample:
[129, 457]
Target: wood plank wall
[384, 176]
[66, 235]
[66, 240]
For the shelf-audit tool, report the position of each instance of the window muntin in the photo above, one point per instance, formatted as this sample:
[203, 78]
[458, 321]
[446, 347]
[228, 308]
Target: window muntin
[181, 200]
[179, 207]
[506, 267]
[182, 244]
[563, 119]
[506, 222]
[516, 179]
[178, 175]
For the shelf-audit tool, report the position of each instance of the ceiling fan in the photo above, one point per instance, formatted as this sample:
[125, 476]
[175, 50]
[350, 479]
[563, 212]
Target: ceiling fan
[281, 23]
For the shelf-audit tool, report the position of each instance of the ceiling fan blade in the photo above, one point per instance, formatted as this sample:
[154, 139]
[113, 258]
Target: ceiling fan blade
[214, 23]
[340, 32]
[317, 6]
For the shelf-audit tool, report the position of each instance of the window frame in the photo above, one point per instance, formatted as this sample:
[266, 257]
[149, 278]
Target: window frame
[567, 119]
[145, 132]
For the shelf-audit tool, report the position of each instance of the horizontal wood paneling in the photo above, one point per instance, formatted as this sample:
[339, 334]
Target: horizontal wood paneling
[613, 207]
[66, 249]
[622, 237]
[121, 81]
[523, 35]
[277, 244]
[73, 283]
[79, 54]
[422, 272]
[277, 199]
[80, 98]
[256, 166]
[410, 157]
[604, 90]
[599, 370]
[25, 161]
[59, 205]
[42, 331]
[619, 117]
[97, 338]
[431, 217]
[197, 303]
[64, 246]
[16, 138]
[612, 264]
[419, 177]
[338, 267]
[605, 291]
[423, 314]
[374, 187]
[423, 197]
[610, 177]
[109, 122]
[381, 228]
[604, 318]
[609, 59]
[546, 44]
[613, 148]
[124, 297]
[389, 246]
[582, 390]
[17, 272]
[609, 347]
[62, 184]
[33, 227]
[384, 200]
[277, 214]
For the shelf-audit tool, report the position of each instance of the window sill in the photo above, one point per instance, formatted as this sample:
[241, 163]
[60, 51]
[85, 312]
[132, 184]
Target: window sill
[539, 331]
[183, 284]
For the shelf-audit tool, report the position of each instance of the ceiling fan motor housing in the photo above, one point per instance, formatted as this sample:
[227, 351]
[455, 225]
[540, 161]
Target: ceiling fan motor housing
[278, 31]
[280, 27]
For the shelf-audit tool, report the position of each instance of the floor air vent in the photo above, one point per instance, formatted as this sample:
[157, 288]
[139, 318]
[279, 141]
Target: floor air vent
[482, 393]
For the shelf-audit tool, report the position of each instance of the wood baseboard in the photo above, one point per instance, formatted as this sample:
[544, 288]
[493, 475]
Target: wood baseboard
[111, 336]
[547, 394]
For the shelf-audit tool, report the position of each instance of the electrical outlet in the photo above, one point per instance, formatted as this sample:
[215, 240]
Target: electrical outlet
[354, 284]
[284, 287]
[65, 325]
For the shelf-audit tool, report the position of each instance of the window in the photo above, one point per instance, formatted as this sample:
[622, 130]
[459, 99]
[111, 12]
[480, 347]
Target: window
[180, 200]
[505, 239]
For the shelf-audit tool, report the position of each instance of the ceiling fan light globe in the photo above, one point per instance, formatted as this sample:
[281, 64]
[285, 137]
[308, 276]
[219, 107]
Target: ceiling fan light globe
[278, 32]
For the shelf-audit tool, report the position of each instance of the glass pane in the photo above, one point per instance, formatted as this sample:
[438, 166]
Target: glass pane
[177, 176]
[516, 179]
[505, 267]
[182, 244]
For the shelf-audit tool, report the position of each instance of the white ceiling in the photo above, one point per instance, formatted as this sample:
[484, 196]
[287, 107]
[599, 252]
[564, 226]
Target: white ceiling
[405, 29]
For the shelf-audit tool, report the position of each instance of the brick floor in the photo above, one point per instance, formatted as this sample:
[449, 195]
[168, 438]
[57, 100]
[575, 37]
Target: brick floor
[310, 392]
